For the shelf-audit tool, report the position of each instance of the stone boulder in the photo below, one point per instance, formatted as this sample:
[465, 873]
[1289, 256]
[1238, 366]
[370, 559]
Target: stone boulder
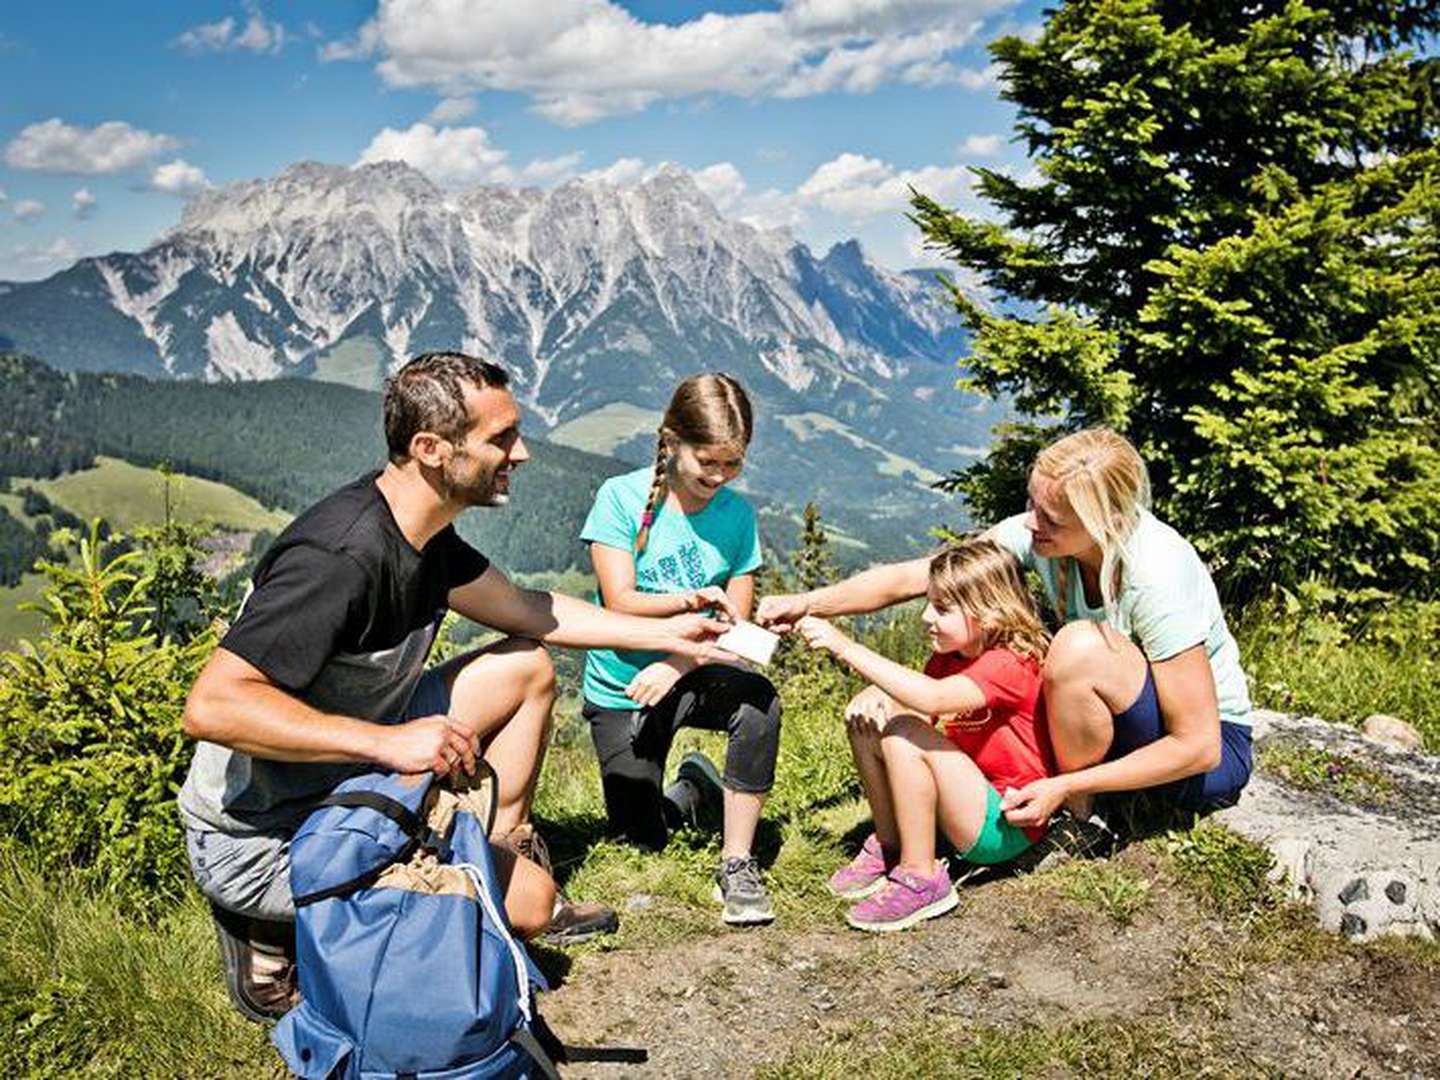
[1369, 864]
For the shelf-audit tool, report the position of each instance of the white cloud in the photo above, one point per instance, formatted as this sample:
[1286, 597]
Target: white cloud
[179, 177]
[856, 187]
[47, 258]
[3, 196]
[982, 145]
[28, 209]
[622, 172]
[580, 60]
[723, 184]
[451, 109]
[549, 170]
[453, 157]
[57, 147]
[83, 202]
[258, 35]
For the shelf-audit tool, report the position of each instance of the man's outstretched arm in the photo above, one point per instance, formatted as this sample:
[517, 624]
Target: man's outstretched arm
[235, 704]
[556, 619]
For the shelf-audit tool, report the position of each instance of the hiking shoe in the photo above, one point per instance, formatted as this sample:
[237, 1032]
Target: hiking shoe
[576, 921]
[905, 900]
[258, 957]
[1068, 837]
[698, 793]
[739, 888]
[863, 874]
[525, 841]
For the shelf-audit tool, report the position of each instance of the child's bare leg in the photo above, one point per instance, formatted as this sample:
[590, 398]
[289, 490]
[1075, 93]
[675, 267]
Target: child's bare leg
[864, 731]
[935, 783]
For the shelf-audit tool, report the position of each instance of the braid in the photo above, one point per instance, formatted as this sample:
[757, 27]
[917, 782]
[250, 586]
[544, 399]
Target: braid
[657, 494]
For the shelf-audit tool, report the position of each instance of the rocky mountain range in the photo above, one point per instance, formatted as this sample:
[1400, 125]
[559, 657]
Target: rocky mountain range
[597, 298]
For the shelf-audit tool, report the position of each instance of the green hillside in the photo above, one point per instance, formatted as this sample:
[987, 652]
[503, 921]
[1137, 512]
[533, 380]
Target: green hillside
[129, 495]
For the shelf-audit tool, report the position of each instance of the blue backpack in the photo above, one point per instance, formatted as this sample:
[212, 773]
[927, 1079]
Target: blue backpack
[398, 983]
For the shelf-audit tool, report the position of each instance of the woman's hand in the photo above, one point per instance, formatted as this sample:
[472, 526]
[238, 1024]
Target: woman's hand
[652, 683]
[1031, 806]
[782, 611]
[820, 634]
[712, 596]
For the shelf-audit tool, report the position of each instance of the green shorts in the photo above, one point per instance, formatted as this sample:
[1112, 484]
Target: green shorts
[999, 841]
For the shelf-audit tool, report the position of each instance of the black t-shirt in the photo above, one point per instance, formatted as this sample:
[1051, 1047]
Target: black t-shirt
[342, 581]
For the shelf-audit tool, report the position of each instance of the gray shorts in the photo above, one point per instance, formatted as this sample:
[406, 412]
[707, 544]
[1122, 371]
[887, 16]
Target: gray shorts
[249, 873]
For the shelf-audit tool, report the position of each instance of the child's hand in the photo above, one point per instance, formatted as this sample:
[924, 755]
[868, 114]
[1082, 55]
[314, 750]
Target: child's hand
[868, 711]
[652, 683]
[819, 634]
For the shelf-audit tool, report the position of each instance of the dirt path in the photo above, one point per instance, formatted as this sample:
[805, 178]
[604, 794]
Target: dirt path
[1014, 953]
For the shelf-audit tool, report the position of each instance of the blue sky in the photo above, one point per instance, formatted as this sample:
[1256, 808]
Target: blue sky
[808, 114]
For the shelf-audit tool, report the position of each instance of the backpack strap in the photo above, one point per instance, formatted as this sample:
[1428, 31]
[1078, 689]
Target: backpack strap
[411, 824]
[539, 1040]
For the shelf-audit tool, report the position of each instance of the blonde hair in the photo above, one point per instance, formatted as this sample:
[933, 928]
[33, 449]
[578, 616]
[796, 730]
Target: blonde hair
[983, 580]
[1104, 480]
[705, 410]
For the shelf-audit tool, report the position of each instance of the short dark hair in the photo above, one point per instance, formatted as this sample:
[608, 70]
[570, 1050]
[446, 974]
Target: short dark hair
[428, 394]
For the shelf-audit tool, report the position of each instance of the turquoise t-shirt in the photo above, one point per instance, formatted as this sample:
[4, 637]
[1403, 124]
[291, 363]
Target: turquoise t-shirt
[683, 552]
[1167, 602]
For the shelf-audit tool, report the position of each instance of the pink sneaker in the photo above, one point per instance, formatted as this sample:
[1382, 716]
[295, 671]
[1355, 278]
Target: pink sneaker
[863, 874]
[905, 900]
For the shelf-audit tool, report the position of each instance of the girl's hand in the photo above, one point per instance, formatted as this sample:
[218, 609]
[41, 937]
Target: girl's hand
[868, 711]
[652, 683]
[820, 634]
[712, 596]
[1031, 806]
[782, 611]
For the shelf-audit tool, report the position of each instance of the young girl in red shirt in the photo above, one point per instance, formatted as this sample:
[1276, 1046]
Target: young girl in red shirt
[942, 746]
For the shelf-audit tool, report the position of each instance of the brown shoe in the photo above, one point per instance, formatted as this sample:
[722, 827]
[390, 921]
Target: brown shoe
[525, 841]
[259, 962]
[577, 921]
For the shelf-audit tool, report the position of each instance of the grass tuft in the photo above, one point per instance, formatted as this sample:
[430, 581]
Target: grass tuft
[1312, 768]
[1231, 874]
[1114, 889]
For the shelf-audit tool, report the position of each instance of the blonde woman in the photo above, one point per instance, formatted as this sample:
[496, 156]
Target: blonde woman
[663, 540]
[949, 740]
[1143, 684]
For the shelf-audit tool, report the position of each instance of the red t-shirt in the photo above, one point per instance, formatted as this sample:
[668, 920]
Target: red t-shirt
[1009, 740]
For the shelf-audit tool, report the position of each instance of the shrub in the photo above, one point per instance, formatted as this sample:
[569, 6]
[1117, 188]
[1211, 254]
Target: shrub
[91, 750]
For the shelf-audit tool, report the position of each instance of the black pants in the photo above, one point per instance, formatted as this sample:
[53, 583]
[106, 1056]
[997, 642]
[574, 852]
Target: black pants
[632, 744]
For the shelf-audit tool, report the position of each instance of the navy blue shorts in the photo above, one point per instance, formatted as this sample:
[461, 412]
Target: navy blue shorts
[1140, 725]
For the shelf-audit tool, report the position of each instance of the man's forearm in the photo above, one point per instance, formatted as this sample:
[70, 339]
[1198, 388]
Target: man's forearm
[265, 722]
[557, 619]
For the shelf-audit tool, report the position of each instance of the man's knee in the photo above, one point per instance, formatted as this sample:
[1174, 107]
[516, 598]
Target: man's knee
[520, 661]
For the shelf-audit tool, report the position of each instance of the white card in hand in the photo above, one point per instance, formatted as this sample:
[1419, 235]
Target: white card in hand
[752, 642]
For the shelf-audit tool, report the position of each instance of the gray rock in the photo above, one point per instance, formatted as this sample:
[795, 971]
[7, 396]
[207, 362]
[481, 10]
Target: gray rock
[1391, 731]
[1368, 871]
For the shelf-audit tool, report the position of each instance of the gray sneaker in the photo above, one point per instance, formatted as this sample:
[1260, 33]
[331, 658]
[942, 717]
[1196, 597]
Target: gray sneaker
[739, 888]
[698, 793]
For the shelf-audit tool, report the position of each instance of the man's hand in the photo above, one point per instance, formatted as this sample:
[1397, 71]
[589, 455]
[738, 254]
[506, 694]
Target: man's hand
[820, 634]
[438, 744]
[782, 611]
[652, 683]
[712, 596]
[1031, 806]
[693, 636]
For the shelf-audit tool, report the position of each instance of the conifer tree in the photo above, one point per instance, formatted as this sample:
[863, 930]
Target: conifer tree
[1228, 252]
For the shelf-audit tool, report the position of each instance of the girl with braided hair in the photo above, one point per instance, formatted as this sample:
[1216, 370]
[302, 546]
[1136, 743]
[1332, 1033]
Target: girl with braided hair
[666, 539]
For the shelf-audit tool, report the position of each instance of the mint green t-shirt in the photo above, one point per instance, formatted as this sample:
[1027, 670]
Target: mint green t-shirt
[1167, 602]
[683, 552]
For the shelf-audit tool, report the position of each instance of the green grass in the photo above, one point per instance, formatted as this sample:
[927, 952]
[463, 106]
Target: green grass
[1312, 768]
[1320, 666]
[948, 1048]
[602, 430]
[86, 991]
[128, 496]
[1230, 874]
[1116, 890]
[14, 623]
[357, 362]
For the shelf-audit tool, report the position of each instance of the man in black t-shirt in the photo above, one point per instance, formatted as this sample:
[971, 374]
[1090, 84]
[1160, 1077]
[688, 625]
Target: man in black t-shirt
[323, 673]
